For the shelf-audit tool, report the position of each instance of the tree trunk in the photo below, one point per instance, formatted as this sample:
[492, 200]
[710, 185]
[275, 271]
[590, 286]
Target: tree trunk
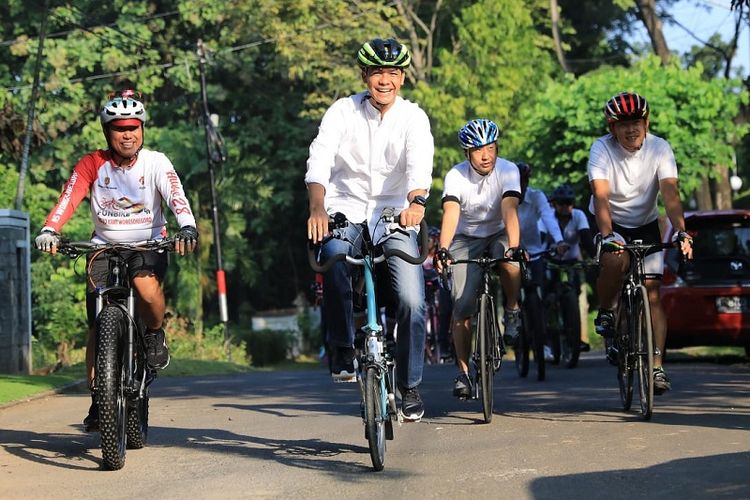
[703, 195]
[647, 13]
[722, 189]
[421, 36]
[555, 15]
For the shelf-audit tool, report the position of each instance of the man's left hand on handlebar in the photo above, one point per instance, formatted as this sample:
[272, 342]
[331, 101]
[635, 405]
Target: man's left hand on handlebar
[186, 240]
[412, 215]
[684, 241]
[442, 259]
[517, 254]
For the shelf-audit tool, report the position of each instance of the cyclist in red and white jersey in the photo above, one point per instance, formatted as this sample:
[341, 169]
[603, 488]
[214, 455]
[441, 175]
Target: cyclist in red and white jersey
[126, 185]
[627, 169]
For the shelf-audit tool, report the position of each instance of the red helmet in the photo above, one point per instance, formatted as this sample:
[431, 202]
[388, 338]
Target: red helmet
[626, 106]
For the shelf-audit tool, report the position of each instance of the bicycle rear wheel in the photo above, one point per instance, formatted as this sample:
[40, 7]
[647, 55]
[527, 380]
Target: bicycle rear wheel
[570, 336]
[110, 381]
[645, 350]
[486, 356]
[375, 414]
[623, 341]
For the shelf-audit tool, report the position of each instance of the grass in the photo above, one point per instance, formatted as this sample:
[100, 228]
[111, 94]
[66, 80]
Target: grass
[20, 387]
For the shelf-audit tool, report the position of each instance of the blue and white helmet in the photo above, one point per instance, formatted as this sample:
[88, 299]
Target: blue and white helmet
[477, 133]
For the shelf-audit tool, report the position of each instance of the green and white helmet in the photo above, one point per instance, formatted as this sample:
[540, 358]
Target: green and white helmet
[384, 53]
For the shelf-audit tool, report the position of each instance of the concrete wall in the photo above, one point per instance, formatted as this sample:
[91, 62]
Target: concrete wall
[15, 292]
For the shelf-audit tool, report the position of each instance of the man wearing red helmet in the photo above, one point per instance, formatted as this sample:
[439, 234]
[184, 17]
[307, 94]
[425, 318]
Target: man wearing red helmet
[627, 169]
[126, 185]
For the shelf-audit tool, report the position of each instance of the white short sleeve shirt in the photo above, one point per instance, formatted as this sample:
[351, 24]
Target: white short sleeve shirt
[480, 196]
[633, 177]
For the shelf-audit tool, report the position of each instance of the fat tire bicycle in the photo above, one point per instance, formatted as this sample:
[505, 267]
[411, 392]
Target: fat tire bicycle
[489, 347]
[634, 335]
[376, 367]
[122, 376]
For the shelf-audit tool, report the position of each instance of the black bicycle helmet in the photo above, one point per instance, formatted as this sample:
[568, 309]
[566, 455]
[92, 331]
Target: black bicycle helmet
[563, 194]
[626, 106]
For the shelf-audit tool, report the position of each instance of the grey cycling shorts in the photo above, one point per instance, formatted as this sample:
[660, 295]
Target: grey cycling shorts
[467, 278]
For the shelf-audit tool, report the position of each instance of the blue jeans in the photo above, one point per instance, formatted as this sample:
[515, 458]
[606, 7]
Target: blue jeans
[407, 282]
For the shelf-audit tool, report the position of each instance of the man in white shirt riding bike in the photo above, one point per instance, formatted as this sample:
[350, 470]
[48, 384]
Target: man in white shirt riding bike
[373, 151]
[627, 169]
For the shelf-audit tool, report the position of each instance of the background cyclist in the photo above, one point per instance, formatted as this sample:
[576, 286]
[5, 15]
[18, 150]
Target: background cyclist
[577, 236]
[627, 170]
[536, 217]
[126, 185]
[374, 150]
[480, 203]
[444, 301]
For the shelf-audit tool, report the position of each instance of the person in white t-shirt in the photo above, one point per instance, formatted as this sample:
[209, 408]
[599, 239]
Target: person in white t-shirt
[374, 151]
[627, 170]
[480, 211]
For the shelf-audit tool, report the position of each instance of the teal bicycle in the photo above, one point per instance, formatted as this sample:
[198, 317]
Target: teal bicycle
[376, 366]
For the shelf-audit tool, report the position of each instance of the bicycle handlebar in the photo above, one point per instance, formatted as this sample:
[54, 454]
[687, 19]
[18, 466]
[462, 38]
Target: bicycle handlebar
[75, 248]
[337, 222]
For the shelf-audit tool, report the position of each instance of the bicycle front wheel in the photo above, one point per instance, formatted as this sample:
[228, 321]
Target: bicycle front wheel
[375, 414]
[486, 367]
[645, 349]
[110, 379]
[622, 342]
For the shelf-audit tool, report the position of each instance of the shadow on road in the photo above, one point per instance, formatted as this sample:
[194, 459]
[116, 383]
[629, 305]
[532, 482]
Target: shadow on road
[68, 451]
[701, 477]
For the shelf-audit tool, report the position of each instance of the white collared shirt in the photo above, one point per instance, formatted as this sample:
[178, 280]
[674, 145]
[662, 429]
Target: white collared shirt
[633, 177]
[535, 213]
[480, 196]
[367, 163]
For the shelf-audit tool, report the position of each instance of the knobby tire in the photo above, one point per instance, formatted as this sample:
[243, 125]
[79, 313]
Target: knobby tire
[110, 395]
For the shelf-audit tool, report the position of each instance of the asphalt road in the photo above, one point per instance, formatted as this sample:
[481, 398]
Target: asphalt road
[297, 435]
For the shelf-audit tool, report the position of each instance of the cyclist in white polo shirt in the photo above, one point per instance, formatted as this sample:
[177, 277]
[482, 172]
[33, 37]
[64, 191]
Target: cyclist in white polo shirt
[480, 211]
[627, 170]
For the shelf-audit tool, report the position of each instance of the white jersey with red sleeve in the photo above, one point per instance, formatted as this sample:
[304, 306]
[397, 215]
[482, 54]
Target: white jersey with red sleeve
[126, 204]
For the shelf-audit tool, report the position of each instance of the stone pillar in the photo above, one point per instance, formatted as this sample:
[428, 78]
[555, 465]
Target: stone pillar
[15, 292]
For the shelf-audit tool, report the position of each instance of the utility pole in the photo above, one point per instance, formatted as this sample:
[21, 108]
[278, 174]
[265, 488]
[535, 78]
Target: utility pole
[32, 107]
[216, 155]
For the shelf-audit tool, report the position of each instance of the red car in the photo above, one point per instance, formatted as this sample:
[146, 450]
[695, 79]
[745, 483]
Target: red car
[707, 301]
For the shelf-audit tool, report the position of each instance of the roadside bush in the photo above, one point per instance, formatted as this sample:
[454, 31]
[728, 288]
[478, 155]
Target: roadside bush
[268, 347]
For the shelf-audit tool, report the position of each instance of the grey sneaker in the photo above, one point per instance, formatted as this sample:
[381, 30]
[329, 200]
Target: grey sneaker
[462, 386]
[661, 381]
[157, 353]
[512, 322]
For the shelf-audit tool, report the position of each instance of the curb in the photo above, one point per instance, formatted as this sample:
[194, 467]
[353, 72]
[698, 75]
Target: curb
[50, 392]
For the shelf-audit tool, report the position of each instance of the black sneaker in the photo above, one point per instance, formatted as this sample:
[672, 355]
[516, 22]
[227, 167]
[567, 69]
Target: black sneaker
[157, 353]
[462, 386]
[91, 422]
[512, 322]
[412, 408]
[584, 347]
[661, 381]
[605, 323]
[343, 364]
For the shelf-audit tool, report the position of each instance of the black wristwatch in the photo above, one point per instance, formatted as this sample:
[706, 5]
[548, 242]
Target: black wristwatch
[419, 200]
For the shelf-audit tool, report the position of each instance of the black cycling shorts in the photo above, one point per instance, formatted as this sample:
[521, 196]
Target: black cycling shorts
[140, 263]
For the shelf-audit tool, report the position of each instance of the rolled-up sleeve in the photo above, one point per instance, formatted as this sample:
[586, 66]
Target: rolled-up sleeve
[420, 149]
[324, 147]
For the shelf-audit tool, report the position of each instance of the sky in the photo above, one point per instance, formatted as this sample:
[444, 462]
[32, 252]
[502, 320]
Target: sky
[704, 18]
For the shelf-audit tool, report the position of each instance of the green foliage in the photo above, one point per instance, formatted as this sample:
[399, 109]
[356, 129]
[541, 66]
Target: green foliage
[693, 114]
[268, 347]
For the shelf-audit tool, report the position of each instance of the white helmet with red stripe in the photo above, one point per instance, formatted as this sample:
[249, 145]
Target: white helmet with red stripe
[125, 107]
